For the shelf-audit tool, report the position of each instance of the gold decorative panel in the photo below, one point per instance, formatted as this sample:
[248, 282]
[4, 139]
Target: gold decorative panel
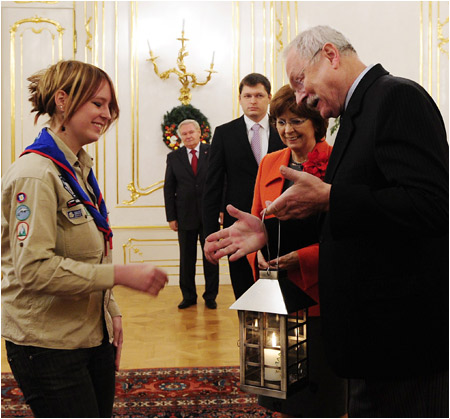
[434, 55]
[261, 30]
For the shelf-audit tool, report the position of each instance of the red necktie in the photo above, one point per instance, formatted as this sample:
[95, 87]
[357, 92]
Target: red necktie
[194, 161]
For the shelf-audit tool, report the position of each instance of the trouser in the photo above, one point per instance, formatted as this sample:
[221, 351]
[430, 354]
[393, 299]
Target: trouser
[65, 383]
[187, 240]
[424, 396]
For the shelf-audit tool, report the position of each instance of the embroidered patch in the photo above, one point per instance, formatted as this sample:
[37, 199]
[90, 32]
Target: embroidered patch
[67, 187]
[22, 212]
[75, 213]
[21, 197]
[22, 231]
[73, 202]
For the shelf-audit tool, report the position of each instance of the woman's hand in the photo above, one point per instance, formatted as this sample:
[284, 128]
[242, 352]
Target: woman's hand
[289, 262]
[142, 277]
[262, 263]
[118, 339]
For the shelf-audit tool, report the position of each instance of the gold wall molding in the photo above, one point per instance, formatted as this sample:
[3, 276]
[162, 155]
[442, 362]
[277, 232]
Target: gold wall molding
[136, 191]
[36, 20]
[253, 22]
[135, 194]
[433, 44]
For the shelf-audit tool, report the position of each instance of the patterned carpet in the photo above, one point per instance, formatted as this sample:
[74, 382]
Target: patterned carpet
[164, 393]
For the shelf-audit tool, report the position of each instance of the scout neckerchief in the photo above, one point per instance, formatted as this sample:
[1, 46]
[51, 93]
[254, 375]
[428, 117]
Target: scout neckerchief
[45, 146]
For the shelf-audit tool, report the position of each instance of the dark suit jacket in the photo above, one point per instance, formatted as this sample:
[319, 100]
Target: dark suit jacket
[183, 191]
[232, 166]
[383, 264]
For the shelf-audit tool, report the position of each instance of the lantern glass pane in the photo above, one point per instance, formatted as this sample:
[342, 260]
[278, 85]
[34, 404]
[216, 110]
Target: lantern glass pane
[272, 321]
[252, 336]
[251, 318]
[297, 372]
[252, 375]
[253, 356]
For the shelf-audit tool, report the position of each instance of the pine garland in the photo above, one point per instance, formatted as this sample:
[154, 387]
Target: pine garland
[178, 114]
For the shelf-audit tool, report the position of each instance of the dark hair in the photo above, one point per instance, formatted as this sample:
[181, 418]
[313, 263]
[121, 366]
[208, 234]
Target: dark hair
[253, 79]
[284, 100]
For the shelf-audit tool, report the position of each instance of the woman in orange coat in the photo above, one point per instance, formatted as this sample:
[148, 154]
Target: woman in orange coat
[302, 130]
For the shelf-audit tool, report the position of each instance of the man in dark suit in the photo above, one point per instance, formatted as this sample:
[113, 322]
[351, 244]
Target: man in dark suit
[236, 151]
[183, 194]
[383, 207]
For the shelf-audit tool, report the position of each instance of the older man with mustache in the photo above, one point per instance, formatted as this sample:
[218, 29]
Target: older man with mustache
[382, 213]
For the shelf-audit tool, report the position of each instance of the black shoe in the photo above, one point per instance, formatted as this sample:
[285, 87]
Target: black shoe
[211, 304]
[187, 303]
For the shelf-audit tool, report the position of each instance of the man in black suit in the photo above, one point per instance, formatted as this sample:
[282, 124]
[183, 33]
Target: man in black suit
[183, 194]
[233, 166]
[383, 210]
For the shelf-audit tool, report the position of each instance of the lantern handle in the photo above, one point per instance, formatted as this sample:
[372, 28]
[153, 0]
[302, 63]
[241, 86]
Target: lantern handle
[267, 241]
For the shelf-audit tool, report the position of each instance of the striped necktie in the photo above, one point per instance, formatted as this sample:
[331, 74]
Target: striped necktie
[256, 143]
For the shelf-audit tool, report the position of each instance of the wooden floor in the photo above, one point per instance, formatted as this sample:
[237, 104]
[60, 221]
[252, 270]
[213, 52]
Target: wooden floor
[158, 334]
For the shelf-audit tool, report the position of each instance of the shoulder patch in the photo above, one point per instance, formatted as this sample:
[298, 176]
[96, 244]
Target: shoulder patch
[21, 197]
[22, 212]
[22, 231]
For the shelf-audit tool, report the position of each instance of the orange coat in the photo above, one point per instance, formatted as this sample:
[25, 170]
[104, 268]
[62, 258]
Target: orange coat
[268, 186]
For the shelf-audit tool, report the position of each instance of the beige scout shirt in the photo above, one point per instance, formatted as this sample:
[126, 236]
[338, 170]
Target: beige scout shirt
[53, 272]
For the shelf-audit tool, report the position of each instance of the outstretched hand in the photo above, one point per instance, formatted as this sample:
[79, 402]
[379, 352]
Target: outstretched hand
[143, 277]
[307, 196]
[246, 235]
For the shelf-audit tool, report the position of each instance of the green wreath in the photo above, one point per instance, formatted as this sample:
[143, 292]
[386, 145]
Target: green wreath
[175, 116]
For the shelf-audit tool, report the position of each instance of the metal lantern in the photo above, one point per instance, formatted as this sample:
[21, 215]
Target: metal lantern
[273, 320]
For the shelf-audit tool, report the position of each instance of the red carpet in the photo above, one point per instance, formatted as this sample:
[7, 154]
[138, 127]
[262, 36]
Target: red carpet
[164, 393]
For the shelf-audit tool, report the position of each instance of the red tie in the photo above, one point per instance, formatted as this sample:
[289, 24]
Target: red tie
[194, 161]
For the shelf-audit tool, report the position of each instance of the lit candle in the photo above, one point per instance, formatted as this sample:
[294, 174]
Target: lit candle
[272, 358]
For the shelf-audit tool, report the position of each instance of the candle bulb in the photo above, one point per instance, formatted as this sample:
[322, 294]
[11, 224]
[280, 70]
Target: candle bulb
[149, 49]
[212, 61]
[272, 358]
[182, 30]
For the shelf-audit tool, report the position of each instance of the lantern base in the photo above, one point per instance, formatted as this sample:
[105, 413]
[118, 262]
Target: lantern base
[278, 394]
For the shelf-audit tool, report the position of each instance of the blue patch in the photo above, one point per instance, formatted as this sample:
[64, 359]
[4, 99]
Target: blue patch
[21, 197]
[75, 213]
[22, 212]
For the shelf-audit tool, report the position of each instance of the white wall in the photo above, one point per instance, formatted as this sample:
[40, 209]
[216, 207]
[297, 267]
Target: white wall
[245, 36]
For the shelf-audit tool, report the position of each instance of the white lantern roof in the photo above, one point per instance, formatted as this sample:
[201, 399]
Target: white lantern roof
[273, 293]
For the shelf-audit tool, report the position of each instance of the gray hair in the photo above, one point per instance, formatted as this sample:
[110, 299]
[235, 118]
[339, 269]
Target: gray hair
[188, 121]
[310, 41]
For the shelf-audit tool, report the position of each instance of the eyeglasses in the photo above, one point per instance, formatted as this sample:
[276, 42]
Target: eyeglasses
[298, 81]
[294, 123]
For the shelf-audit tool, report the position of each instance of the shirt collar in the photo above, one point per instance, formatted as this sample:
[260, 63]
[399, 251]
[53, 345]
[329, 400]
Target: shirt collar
[197, 149]
[355, 84]
[83, 157]
[249, 123]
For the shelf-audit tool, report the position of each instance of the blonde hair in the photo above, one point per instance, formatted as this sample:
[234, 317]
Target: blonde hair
[79, 80]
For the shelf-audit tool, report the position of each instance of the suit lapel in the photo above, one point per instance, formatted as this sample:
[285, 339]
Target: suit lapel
[242, 138]
[203, 154]
[346, 123]
[184, 160]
